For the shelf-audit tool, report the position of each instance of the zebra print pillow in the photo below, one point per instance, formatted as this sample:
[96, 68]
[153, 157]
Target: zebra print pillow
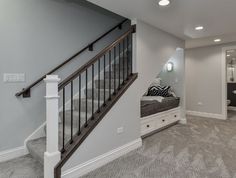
[159, 91]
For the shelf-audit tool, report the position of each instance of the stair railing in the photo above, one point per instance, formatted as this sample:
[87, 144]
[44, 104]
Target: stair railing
[104, 79]
[26, 92]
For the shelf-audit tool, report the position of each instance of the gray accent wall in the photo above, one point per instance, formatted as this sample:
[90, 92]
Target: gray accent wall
[37, 35]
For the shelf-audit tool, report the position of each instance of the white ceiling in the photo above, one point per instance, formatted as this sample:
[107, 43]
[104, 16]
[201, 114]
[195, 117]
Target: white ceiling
[181, 17]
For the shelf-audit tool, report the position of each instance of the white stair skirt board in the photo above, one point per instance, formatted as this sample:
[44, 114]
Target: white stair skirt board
[208, 115]
[231, 108]
[101, 160]
[13, 153]
[155, 122]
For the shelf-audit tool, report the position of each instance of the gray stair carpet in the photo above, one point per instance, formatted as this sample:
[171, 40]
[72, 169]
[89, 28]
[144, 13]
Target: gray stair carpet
[204, 148]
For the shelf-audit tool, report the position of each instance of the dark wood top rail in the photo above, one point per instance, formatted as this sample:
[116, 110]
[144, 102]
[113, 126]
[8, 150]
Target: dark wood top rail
[94, 59]
[25, 92]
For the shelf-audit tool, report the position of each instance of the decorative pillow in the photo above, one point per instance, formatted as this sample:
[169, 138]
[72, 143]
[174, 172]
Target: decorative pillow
[156, 82]
[159, 91]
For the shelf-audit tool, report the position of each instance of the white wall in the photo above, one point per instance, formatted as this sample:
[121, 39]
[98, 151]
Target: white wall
[153, 48]
[204, 79]
[37, 35]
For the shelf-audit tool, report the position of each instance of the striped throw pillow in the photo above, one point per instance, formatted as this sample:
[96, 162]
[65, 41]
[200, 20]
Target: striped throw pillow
[159, 91]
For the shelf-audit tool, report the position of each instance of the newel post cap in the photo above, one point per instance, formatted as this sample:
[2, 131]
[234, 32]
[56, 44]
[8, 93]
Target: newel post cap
[52, 79]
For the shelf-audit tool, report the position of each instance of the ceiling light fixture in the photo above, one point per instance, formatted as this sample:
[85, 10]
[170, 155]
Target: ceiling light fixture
[164, 2]
[198, 28]
[217, 40]
[228, 55]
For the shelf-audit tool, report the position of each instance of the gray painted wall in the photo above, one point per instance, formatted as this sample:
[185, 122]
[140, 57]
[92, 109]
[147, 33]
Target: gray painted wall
[153, 48]
[204, 79]
[176, 78]
[37, 35]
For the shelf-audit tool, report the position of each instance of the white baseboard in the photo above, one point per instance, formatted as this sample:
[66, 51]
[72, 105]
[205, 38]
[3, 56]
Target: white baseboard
[13, 153]
[231, 108]
[208, 115]
[101, 160]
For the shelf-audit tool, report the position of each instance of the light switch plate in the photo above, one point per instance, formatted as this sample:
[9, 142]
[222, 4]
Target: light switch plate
[13, 77]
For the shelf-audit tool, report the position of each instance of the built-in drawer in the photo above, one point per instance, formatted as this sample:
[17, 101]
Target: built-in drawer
[173, 117]
[148, 126]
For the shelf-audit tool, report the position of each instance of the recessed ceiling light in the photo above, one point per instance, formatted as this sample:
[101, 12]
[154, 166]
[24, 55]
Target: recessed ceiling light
[164, 2]
[198, 28]
[217, 40]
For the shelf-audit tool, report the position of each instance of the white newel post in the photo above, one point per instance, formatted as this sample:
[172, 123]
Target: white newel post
[52, 154]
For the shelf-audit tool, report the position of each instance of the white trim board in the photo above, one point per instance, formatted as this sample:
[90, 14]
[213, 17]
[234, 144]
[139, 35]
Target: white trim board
[101, 160]
[13, 153]
[207, 115]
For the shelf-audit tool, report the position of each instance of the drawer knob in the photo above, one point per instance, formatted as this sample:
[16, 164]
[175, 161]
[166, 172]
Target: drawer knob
[148, 126]
[163, 120]
[175, 115]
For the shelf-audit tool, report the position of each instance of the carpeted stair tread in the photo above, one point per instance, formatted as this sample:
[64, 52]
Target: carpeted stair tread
[37, 148]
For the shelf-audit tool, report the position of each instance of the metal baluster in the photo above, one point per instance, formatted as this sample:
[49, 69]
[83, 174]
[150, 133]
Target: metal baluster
[71, 113]
[109, 75]
[119, 65]
[86, 98]
[114, 70]
[104, 65]
[127, 52]
[63, 121]
[123, 61]
[99, 85]
[92, 91]
[131, 55]
[79, 130]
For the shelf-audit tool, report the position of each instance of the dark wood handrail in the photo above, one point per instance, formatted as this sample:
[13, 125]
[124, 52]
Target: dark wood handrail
[26, 91]
[94, 59]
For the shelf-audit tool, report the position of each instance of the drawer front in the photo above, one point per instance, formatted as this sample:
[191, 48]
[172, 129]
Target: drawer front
[162, 121]
[147, 127]
[175, 116]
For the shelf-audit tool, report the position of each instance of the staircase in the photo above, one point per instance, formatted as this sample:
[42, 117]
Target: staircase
[86, 96]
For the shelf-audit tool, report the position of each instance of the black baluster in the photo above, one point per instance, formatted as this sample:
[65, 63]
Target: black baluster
[119, 65]
[71, 116]
[109, 75]
[99, 85]
[63, 121]
[114, 71]
[123, 61]
[127, 53]
[104, 82]
[92, 91]
[79, 130]
[131, 55]
[86, 98]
